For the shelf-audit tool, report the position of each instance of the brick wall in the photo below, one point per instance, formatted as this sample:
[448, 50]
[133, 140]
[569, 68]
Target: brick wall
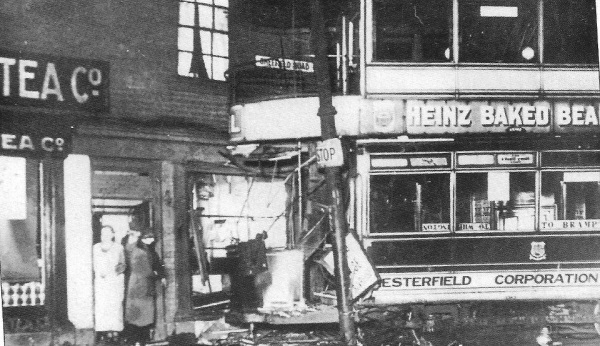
[139, 40]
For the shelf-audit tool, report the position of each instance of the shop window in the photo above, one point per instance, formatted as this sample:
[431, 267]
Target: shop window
[203, 41]
[498, 31]
[410, 203]
[412, 30]
[22, 255]
[502, 201]
[229, 210]
[570, 32]
[569, 199]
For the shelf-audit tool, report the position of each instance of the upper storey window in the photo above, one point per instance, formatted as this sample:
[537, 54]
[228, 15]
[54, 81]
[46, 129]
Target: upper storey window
[498, 31]
[412, 31]
[570, 32]
[485, 31]
[203, 41]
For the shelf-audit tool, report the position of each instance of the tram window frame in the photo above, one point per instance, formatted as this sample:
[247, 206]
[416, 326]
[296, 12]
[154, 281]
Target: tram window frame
[510, 213]
[540, 164]
[470, 28]
[417, 223]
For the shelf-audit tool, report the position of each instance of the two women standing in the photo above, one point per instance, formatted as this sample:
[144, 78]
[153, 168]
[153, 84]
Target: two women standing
[126, 273]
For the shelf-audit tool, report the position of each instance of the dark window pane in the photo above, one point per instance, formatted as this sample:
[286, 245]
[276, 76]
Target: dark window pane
[410, 203]
[571, 158]
[412, 30]
[498, 31]
[570, 31]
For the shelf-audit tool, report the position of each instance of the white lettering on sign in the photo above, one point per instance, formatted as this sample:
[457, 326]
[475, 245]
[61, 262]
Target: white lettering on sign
[329, 153]
[26, 143]
[491, 279]
[28, 71]
[6, 64]
[284, 64]
[474, 226]
[24, 76]
[577, 115]
[51, 84]
[435, 115]
[500, 115]
[515, 116]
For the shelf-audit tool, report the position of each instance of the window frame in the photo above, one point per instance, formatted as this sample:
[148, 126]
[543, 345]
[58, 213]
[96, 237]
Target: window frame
[214, 5]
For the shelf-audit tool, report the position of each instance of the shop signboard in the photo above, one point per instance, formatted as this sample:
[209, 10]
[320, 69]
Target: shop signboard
[41, 80]
[34, 135]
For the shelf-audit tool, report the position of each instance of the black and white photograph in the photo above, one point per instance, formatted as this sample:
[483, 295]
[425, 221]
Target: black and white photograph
[299, 172]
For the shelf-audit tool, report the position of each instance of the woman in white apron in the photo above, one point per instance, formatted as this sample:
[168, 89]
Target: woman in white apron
[109, 265]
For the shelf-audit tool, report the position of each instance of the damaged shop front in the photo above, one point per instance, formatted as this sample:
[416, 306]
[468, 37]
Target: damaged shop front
[260, 246]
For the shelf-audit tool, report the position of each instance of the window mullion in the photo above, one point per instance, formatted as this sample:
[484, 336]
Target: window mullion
[455, 35]
[541, 31]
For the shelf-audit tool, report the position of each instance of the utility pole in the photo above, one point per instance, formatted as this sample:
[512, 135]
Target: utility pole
[333, 174]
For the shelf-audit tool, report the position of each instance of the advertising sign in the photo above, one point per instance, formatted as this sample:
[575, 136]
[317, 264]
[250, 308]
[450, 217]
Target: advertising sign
[53, 82]
[500, 116]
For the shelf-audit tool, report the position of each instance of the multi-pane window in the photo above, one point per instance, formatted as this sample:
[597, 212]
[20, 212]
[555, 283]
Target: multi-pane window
[485, 192]
[485, 31]
[203, 41]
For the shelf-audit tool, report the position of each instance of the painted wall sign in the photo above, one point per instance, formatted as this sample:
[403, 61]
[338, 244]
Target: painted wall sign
[24, 134]
[53, 82]
[284, 64]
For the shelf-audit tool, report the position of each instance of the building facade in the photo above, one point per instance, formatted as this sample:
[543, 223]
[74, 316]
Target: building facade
[111, 113]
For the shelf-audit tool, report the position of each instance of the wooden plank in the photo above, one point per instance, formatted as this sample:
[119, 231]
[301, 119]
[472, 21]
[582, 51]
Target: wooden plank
[121, 186]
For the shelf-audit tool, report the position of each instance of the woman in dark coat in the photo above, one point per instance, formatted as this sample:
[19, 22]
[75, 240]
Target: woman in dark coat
[143, 269]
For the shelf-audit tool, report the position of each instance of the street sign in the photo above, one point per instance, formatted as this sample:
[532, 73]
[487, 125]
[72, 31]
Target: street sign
[329, 153]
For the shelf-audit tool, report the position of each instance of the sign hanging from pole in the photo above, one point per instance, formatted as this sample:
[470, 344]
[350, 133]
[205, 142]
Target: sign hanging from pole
[329, 153]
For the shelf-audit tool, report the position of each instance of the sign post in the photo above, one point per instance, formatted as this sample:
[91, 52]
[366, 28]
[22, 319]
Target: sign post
[333, 174]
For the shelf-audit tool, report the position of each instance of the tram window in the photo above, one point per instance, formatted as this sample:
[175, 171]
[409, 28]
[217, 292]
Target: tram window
[570, 35]
[412, 30]
[495, 201]
[569, 197]
[498, 31]
[410, 203]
